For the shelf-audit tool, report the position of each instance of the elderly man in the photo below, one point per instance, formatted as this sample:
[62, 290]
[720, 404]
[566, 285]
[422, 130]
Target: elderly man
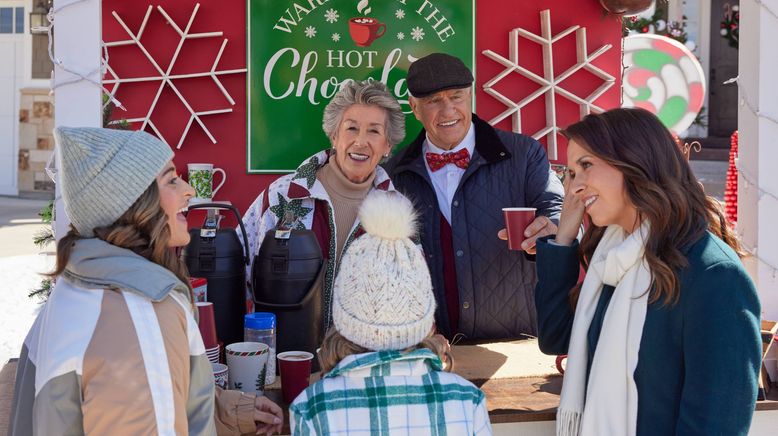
[460, 172]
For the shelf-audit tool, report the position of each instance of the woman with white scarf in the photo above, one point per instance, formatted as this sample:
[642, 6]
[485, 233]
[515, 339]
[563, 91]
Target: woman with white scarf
[663, 336]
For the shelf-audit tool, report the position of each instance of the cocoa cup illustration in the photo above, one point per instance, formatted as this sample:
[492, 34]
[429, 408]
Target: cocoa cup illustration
[365, 30]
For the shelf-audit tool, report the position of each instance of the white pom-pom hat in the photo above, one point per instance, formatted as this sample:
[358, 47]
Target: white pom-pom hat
[382, 298]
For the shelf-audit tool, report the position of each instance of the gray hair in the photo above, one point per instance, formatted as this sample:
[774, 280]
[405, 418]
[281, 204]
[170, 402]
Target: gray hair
[367, 92]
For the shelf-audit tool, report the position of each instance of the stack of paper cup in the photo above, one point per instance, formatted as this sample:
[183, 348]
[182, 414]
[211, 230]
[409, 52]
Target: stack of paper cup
[213, 353]
[207, 324]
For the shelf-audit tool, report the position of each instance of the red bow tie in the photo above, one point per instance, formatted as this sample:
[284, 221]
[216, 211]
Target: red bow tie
[437, 161]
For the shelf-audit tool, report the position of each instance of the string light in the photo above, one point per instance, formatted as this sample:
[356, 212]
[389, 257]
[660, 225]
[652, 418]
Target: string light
[748, 179]
[102, 76]
[745, 101]
[751, 181]
[766, 7]
[752, 253]
[79, 76]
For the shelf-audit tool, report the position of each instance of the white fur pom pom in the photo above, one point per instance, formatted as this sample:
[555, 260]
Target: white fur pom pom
[388, 215]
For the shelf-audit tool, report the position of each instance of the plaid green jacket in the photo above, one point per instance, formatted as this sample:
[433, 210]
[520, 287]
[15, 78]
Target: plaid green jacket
[390, 393]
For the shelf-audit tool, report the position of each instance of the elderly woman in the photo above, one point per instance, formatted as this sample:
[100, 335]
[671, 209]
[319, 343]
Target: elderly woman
[363, 121]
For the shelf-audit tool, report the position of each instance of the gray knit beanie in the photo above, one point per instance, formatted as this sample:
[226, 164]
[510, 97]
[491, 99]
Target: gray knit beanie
[104, 171]
[382, 297]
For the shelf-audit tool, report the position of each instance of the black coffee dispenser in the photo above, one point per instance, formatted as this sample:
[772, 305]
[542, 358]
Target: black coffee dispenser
[287, 279]
[217, 255]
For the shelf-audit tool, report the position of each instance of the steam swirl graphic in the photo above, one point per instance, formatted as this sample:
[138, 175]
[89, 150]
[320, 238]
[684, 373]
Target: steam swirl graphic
[364, 7]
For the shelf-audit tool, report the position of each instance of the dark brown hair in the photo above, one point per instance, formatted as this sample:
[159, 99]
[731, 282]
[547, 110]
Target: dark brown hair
[659, 182]
[143, 228]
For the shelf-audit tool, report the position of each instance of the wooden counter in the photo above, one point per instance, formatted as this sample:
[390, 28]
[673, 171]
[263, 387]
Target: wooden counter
[509, 400]
[522, 386]
[525, 400]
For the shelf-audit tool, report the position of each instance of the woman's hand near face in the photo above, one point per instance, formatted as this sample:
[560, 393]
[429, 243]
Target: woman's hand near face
[572, 216]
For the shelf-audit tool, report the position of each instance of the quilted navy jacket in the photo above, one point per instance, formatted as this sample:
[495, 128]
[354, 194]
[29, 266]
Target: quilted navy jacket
[496, 285]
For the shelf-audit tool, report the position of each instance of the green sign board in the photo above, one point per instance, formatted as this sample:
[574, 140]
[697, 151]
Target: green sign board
[300, 52]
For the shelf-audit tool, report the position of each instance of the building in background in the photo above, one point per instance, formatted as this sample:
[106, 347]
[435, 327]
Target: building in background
[26, 111]
[719, 58]
[710, 29]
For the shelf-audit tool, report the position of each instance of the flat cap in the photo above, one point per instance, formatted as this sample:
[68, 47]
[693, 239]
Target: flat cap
[437, 72]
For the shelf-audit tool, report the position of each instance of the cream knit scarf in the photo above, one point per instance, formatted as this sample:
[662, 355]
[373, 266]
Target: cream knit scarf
[608, 406]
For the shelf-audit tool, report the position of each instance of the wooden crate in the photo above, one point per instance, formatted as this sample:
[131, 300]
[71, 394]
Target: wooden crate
[769, 373]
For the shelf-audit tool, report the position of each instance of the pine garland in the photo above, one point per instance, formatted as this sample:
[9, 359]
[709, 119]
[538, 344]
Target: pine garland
[42, 291]
[108, 121]
[657, 25]
[42, 239]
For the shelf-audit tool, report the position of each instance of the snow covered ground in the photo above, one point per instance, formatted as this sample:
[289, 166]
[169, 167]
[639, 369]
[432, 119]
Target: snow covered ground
[17, 311]
[20, 263]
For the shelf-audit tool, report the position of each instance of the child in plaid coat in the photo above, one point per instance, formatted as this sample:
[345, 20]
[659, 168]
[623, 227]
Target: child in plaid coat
[383, 365]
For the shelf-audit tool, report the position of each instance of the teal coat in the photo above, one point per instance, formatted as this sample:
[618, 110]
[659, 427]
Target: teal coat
[699, 359]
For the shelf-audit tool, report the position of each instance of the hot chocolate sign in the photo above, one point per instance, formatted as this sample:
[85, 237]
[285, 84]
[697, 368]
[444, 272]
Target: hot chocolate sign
[301, 52]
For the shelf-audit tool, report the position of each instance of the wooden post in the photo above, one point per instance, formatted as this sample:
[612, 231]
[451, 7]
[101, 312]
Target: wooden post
[758, 128]
[77, 39]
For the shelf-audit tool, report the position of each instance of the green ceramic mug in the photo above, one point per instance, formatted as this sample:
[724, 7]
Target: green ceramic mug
[201, 179]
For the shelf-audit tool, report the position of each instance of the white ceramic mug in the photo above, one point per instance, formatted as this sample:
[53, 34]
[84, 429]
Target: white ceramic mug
[201, 179]
[247, 363]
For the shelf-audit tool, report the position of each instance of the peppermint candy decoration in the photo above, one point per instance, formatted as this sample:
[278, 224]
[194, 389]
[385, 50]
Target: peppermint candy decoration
[664, 77]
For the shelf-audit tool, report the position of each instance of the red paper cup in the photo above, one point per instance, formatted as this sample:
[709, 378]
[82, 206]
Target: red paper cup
[561, 363]
[295, 368]
[207, 324]
[516, 221]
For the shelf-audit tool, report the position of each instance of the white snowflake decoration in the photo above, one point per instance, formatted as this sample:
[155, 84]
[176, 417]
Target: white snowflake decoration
[417, 33]
[336, 37]
[400, 36]
[331, 16]
[310, 31]
[550, 83]
[400, 14]
[164, 76]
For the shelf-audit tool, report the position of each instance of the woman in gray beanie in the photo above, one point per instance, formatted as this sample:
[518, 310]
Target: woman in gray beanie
[382, 356]
[116, 349]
